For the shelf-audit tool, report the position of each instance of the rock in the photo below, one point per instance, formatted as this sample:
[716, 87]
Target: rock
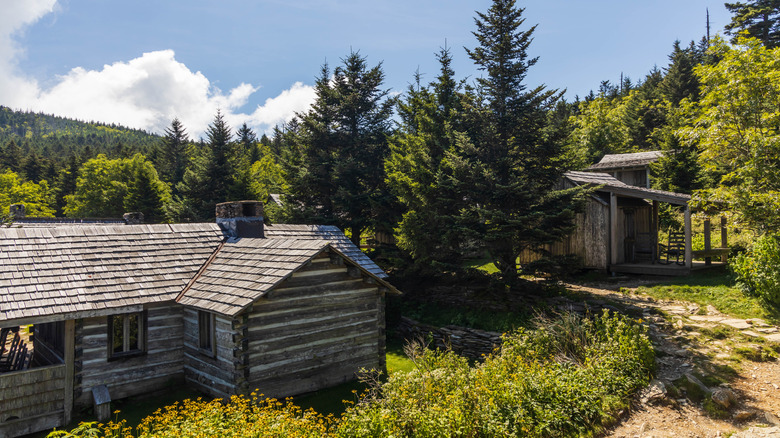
[739, 324]
[696, 382]
[771, 419]
[678, 324]
[654, 393]
[724, 397]
[744, 415]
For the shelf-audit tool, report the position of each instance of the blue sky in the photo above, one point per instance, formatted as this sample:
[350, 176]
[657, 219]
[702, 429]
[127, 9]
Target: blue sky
[142, 62]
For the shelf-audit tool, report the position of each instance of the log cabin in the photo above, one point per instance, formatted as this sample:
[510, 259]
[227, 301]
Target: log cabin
[618, 232]
[228, 308]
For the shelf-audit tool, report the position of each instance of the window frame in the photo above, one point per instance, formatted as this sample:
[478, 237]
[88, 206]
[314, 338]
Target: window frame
[142, 336]
[207, 336]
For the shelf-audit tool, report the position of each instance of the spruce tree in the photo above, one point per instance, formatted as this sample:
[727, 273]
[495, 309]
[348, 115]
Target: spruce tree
[430, 117]
[337, 175]
[173, 154]
[509, 168]
[758, 18]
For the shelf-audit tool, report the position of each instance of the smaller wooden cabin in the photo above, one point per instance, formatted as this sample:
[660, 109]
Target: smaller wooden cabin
[228, 308]
[632, 168]
[618, 231]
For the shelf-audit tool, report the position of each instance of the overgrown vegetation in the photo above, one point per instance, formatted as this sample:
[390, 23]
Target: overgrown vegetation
[717, 290]
[569, 376]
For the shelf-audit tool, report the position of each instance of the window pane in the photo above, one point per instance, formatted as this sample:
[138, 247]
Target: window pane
[118, 338]
[132, 333]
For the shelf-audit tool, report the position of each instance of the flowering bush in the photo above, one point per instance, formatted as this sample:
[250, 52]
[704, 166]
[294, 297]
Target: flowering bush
[240, 417]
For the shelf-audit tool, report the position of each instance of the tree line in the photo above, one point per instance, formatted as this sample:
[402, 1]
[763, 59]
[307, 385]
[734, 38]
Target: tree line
[446, 167]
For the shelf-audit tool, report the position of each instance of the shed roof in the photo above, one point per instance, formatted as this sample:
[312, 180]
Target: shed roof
[613, 185]
[83, 270]
[622, 161]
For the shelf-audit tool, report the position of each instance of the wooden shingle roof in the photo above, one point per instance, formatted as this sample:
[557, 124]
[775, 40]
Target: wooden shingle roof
[243, 271]
[614, 185]
[86, 270]
[96, 270]
[331, 234]
[623, 161]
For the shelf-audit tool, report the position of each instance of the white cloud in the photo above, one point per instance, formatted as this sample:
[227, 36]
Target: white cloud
[146, 92]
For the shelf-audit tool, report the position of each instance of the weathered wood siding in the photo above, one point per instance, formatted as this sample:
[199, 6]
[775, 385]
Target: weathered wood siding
[160, 366]
[633, 177]
[315, 330]
[213, 375]
[642, 220]
[31, 400]
[589, 240]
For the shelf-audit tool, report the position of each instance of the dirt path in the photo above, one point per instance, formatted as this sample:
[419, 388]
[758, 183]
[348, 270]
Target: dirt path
[715, 374]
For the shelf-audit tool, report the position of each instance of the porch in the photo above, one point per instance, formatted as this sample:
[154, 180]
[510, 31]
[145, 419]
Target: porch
[671, 270]
[36, 377]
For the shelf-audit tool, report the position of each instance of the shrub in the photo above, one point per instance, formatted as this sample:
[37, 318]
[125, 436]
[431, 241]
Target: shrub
[758, 270]
[565, 378]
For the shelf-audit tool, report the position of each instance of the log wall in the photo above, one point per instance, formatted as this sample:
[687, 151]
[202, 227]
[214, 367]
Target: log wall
[31, 400]
[159, 367]
[315, 330]
[214, 375]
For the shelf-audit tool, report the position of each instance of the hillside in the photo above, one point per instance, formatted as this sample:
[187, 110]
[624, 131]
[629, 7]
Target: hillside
[57, 137]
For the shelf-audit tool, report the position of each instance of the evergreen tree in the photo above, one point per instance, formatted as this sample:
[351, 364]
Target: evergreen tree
[680, 81]
[337, 174]
[509, 168]
[173, 154]
[416, 174]
[210, 177]
[758, 19]
[11, 158]
[147, 194]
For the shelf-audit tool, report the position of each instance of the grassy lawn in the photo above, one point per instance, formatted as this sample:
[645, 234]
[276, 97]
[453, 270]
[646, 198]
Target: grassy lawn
[716, 289]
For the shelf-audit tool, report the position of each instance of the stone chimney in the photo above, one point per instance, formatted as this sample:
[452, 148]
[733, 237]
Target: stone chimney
[241, 218]
[133, 218]
[17, 211]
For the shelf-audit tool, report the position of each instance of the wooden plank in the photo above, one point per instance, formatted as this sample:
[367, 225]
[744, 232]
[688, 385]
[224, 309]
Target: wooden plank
[292, 360]
[31, 424]
[688, 238]
[613, 229]
[70, 339]
[724, 239]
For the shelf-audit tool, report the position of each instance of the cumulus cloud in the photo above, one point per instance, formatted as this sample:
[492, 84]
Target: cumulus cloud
[146, 92]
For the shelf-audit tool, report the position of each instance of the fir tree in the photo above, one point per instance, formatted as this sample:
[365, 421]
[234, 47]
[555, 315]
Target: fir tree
[509, 168]
[173, 154]
[337, 172]
[680, 81]
[758, 19]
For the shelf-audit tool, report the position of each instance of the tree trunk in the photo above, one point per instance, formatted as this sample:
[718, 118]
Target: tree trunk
[355, 238]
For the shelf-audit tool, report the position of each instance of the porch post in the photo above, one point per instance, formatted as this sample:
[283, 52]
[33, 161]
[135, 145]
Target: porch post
[688, 240]
[724, 241]
[707, 240]
[70, 344]
[613, 240]
[654, 230]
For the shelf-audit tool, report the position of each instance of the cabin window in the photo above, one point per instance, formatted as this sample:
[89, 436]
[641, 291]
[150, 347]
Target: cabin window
[127, 335]
[206, 332]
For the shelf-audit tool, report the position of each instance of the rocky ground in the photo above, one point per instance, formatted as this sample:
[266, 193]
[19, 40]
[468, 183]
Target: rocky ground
[716, 376]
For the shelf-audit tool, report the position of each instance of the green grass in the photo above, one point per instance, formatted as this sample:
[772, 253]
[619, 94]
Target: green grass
[483, 264]
[716, 289]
